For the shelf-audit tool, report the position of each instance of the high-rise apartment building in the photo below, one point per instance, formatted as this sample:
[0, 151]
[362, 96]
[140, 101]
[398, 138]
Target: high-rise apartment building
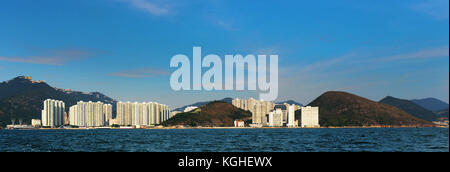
[73, 120]
[291, 116]
[141, 114]
[276, 118]
[90, 114]
[259, 109]
[53, 113]
[107, 109]
[310, 116]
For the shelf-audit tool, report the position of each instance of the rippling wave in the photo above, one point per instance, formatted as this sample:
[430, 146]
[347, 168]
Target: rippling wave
[228, 140]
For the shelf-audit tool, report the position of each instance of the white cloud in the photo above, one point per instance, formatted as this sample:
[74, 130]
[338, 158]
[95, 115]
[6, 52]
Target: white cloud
[422, 54]
[438, 9]
[141, 73]
[151, 7]
[268, 51]
[328, 63]
[51, 57]
[221, 23]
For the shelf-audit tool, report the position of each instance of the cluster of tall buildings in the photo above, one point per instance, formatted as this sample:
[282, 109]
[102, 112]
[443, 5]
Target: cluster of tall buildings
[90, 114]
[283, 115]
[266, 113]
[258, 108]
[53, 113]
[98, 114]
[141, 114]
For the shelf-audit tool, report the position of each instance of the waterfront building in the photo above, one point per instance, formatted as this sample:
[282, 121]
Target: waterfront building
[120, 113]
[152, 113]
[113, 121]
[157, 113]
[135, 114]
[251, 104]
[141, 114]
[145, 114]
[276, 118]
[291, 116]
[107, 109]
[53, 113]
[90, 114]
[99, 115]
[259, 109]
[20, 126]
[239, 123]
[73, 120]
[257, 114]
[36, 123]
[124, 112]
[309, 116]
[238, 103]
[283, 108]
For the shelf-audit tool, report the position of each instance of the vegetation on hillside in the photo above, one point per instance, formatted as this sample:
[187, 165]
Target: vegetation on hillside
[213, 114]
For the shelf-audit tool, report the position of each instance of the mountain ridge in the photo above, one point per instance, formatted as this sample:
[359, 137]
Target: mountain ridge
[431, 104]
[337, 108]
[21, 98]
[289, 102]
[410, 107]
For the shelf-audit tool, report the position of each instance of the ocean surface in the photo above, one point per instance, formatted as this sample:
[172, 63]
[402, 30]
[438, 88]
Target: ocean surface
[228, 140]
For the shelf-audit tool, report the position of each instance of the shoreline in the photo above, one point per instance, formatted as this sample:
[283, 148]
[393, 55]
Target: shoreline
[191, 128]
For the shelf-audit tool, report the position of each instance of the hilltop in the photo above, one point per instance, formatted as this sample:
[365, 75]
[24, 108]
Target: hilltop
[22, 99]
[291, 102]
[345, 109]
[198, 104]
[411, 108]
[216, 113]
[431, 104]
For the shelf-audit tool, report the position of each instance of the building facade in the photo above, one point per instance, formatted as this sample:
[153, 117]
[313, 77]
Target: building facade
[90, 114]
[239, 123]
[53, 113]
[291, 116]
[141, 114]
[276, 118]
[36, 123]
[259, 109]
[309, 117]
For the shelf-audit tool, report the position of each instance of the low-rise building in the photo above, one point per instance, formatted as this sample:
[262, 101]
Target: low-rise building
[36, 123]
[113, 121]
[276, 118]
[239, 123]
[309, 117]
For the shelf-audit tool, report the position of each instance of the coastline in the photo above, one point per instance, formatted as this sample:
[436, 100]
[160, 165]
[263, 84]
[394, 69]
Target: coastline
[192, 128]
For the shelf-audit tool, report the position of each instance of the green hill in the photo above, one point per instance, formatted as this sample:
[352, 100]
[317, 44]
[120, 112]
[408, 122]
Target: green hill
[213, 114]
[345, 109]
[431, 104]
[411, 108]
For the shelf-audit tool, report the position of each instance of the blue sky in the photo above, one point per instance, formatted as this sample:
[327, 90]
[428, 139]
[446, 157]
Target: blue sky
[122, 48]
